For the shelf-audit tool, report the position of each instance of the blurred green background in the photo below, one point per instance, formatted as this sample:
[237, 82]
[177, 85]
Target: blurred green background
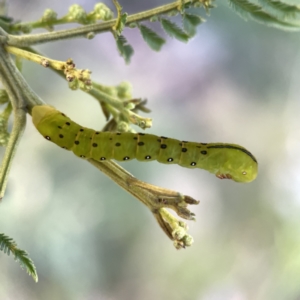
[235, 82]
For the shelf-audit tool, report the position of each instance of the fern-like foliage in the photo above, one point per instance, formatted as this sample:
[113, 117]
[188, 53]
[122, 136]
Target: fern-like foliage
[173, 30]
[8, 245]
[283, 14]
[125, 50]
[190, 23]
[101, 13]
[153, 40]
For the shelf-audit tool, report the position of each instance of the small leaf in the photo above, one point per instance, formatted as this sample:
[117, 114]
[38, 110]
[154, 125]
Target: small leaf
[244, 5]
[190, 23]
[194, 20]
[174, 31]
[153, 40]
[284, 6]
[124, 48]
[8, 245]
[279, 10]
[274, 13]
[266, 19]
[25, 262]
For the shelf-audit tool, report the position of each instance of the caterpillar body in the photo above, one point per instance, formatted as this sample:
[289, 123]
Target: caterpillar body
[224, 160]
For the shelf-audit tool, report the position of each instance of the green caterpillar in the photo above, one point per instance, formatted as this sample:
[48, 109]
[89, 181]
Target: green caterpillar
[224, 160]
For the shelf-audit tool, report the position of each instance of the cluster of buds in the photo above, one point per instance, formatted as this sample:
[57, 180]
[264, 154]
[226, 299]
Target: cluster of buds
[77, 78]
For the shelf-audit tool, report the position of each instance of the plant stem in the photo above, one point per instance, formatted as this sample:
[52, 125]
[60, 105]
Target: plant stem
[33, 39]
[18, 103]
[42, 60]
[156, 199]
[120, 105]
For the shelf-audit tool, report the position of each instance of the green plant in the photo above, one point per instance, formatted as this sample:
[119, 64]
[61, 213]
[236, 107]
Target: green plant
[117, 103]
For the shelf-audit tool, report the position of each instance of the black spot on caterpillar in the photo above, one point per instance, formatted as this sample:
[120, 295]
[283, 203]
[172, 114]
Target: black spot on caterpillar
[229, 161]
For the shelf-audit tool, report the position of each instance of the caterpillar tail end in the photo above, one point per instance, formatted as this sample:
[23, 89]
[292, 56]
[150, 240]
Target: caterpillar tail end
[41, 111]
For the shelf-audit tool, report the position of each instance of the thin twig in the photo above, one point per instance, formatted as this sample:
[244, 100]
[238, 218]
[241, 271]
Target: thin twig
[156, 199]
[34, 39]
[121, 106]
[101, 96]
[42, 60]
[18, 104]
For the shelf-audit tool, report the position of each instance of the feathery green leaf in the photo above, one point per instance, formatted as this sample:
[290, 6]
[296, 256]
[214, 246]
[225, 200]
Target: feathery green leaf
[174, 31]
[285, 7]
[243, 7]
[153, 40]
[190, 23]
[279, 10]
[269, 20]
[125, 50]
[274, 13]
[291, 2]
[8, 245]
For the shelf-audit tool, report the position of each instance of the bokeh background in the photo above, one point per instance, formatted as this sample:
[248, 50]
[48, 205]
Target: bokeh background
[236, 82]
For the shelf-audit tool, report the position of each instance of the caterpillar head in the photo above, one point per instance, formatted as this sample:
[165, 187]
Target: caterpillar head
[239, 165]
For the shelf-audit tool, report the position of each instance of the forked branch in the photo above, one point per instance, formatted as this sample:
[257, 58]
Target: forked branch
[157, 200]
